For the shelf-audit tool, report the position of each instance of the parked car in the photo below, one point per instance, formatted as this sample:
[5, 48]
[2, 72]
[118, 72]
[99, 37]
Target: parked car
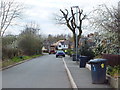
[52, 52]
[60, 53]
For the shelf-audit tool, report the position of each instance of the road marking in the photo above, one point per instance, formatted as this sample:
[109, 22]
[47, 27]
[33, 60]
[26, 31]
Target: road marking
[73, 84]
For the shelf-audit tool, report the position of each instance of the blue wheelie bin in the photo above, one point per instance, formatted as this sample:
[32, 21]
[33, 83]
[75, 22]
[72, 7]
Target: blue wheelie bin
[83, 60]
[98, 70]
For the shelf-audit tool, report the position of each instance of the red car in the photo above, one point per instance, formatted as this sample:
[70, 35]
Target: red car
[52, 52]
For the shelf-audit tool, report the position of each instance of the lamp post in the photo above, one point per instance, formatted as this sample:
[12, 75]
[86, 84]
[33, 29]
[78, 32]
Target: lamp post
[76, 32]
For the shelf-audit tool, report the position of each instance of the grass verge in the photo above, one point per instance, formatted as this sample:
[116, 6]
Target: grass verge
[17, 59]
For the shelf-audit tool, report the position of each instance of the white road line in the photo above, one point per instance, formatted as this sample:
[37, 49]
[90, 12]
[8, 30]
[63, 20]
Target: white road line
[73, 84]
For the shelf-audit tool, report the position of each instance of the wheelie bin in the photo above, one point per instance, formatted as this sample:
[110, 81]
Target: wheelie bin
[98, 70]
[83, 60]
[74, 57]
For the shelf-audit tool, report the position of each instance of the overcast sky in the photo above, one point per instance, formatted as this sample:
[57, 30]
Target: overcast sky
[42, 13]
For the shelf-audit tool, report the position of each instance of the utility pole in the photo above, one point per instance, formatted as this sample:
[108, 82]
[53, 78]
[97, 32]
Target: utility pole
[76, 32]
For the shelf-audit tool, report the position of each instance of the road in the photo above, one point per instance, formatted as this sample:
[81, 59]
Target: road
[42, 72]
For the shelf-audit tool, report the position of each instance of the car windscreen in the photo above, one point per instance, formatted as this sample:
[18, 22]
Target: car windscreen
[60, 52]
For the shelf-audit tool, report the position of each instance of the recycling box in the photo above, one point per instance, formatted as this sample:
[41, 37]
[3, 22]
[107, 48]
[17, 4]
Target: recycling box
[98, 70]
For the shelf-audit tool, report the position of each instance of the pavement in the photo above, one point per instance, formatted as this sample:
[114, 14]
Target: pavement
[82, 76]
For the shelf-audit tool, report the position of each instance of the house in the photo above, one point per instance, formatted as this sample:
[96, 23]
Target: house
[44, 49]
[62, 44]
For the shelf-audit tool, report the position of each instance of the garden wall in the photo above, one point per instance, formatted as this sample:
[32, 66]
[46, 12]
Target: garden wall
[112, 59]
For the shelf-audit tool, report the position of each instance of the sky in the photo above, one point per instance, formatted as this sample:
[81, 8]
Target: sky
[42, 13]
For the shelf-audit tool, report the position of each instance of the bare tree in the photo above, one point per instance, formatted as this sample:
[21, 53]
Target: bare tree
[69, 18]
[9, 11]
[32, 27]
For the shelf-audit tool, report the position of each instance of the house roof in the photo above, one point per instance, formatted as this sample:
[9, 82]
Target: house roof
[63, 42]
[43, 48]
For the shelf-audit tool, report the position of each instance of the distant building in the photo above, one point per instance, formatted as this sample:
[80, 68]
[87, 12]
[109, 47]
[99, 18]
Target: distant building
[91, 39]
[62, 44]
[44, 49]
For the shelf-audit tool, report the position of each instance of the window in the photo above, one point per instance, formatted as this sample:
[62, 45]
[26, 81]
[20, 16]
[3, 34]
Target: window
[59, 45]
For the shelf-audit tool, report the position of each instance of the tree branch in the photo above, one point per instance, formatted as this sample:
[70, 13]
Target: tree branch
[9, 11]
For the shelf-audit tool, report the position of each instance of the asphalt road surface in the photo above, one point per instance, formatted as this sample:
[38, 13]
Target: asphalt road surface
[42, 72]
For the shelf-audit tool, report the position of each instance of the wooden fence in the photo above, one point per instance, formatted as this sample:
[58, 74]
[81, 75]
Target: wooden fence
[112, 60]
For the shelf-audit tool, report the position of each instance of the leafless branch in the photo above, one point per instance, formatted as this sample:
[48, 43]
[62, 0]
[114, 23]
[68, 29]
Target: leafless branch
[9, 10]
[68, 18]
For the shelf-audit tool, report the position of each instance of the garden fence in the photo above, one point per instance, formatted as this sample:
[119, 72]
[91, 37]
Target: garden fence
[112, 60]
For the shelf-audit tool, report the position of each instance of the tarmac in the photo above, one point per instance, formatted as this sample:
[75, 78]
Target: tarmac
[82, 76]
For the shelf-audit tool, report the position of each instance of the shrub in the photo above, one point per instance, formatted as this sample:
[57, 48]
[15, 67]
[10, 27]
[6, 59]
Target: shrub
[9, 49]
[9, 53]
[30, 43]
[85, 50]
[70, 52]
[113, 71]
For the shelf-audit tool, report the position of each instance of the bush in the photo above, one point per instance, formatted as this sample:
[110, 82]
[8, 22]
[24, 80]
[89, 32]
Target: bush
[30, 43]
[9, 53]
[70, 52]
[99, 49]
[113, 71]
[9, 49]
[85, 50]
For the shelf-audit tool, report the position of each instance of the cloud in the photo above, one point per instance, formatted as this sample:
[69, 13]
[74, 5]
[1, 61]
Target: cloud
[41, 11]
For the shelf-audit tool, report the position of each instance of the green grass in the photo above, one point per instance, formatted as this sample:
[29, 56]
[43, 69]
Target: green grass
[17, 59]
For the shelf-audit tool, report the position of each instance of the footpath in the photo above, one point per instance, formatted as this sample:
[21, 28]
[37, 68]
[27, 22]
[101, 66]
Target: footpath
[82, 76]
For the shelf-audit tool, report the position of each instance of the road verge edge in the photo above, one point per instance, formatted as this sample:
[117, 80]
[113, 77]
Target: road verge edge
[9, 66]
[72, 82]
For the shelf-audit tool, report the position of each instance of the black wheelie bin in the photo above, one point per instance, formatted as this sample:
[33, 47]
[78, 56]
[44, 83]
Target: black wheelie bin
[74, 57]
[83, 60]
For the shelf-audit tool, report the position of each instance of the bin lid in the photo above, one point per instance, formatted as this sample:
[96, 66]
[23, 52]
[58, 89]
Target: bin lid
[75, 54]
[83, 56]
[99, 60]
